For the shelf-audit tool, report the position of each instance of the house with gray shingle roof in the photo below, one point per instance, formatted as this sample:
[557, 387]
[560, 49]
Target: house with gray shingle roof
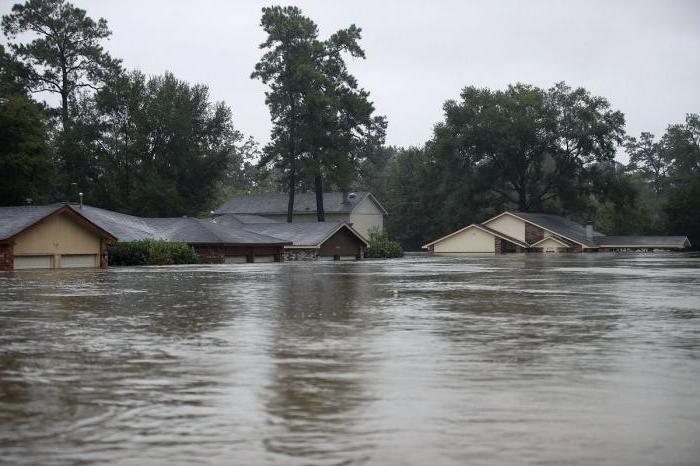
[536, 232]
[361, 210]
[309, 240]
[65, 235]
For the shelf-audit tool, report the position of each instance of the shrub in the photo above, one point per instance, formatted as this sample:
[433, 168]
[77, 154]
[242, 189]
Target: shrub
[151, 252]
[380, 246]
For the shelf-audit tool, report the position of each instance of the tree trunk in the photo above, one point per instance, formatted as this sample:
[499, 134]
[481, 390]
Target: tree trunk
[318, 183]
[522, 200]
[292, 185]
[64, 92]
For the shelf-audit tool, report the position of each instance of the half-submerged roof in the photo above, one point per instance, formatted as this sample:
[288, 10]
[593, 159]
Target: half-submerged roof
[644, 241]
[481, 227]
[182, 229]
[15, 219]
[304, 203]
[562, 226]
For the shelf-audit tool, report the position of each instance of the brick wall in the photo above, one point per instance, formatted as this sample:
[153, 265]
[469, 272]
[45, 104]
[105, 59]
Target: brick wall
[7, 255]
[532, 233]
[104, 261]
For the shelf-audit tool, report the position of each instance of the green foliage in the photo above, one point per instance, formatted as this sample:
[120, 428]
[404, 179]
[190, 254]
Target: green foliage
[381, 246]
[322, 121]
[65, 54]
[151, 252]
[156, 147]
[25, 157]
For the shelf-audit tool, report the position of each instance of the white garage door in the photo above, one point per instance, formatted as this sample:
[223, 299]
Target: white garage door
[33, 262]
[71, 261]
[235, 260]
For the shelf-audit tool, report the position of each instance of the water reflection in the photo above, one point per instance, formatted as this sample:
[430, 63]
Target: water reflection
[316, 384]
[573, 359]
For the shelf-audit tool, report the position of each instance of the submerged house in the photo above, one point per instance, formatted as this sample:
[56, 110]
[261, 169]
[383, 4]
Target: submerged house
[535, 232]
[51, 236]
[66, 235]
[361, 210]
[307, 241]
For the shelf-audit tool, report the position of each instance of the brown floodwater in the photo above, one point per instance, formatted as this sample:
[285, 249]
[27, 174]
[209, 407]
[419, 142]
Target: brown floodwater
[571, 359]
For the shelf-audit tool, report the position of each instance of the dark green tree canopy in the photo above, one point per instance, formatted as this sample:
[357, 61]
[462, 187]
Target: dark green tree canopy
[322, 121]
[65, 54]
[532, 145]
[154, 147]
[647, 158]
[25, 156]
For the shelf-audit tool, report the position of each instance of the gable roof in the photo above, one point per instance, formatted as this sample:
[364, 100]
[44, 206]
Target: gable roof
[312, 234]
[644, 241]
[559, 225]
[553, 238]
[304, 203]
[484, 228]
[16, 219]
[183, 229]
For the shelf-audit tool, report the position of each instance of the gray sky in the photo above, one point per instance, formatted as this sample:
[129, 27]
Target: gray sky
[643, 56]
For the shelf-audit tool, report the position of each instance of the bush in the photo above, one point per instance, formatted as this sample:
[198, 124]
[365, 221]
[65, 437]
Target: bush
[380, 246]
[151, 252]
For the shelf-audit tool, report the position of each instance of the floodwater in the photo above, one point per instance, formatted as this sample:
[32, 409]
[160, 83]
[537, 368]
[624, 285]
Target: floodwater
[571, 359]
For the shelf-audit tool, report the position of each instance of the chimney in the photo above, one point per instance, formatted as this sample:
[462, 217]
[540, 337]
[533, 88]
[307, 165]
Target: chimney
[346, 198]
[589, 230]
[81, 199]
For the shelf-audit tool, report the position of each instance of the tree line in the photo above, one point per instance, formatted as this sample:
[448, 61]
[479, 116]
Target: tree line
[159, 146]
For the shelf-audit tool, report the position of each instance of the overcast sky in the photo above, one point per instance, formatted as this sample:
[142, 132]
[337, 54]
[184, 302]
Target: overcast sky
[643, 56]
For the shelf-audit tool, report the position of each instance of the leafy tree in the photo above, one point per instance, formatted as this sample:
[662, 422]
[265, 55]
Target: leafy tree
[25, 157]
[65, 54]
[156, 147]
[681, 147]
[13, 75]
[290, 45]
[647, 158]
[533, 145]
[322, 122]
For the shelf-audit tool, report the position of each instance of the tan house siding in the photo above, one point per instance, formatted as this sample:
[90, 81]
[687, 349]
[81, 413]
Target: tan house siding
[508, 225]
[58, 235]
[471, 239]
[308, 218]
[365, 216]
[550, 244]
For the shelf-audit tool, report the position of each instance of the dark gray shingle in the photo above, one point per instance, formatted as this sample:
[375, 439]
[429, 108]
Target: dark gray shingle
[561, 226]
[652, 241]
[15, 219]
[304, 203]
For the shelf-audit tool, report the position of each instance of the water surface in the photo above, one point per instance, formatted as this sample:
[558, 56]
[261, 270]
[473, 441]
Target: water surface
[577, 359]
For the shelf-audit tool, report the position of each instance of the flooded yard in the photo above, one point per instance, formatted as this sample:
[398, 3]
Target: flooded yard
[577, 359]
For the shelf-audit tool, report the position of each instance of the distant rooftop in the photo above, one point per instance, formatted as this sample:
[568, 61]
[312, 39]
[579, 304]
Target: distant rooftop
[311, 234]
[304, 203]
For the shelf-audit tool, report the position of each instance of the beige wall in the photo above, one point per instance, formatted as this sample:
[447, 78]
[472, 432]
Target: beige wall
[365, 216]
[308, 218]
[550, 244]
[508, 225]
[56, 236]
[469, 240]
